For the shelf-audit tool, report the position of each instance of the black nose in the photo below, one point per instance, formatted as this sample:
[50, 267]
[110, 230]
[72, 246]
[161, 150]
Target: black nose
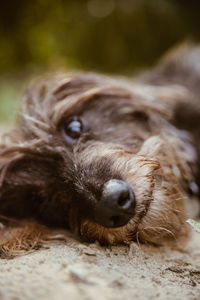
[117, 204]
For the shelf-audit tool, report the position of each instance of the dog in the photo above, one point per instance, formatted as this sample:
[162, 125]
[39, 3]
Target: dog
[111, 159]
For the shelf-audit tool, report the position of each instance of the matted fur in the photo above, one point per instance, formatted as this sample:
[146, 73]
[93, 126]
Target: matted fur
[137, 131]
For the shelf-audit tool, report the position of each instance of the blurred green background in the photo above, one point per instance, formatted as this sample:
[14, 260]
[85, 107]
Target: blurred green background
[110, 36]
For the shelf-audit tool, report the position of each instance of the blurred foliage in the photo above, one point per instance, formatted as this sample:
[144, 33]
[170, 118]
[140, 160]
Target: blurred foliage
[104, 35]
[10, 96]
[112, 36]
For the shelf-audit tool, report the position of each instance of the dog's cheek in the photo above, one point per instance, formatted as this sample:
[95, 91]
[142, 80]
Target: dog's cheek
[165, 220]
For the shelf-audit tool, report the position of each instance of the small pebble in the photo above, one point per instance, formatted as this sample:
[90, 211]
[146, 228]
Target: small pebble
[88, 251]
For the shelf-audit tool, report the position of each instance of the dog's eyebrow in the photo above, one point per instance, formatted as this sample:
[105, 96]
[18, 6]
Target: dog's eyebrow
[71, 86]
[76, 102]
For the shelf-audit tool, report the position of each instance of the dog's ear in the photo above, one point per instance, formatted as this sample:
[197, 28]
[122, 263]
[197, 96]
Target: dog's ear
[18, 184]
[29, 192]
[174, 84]
[21, 189]
[180, 66]
[26, 180]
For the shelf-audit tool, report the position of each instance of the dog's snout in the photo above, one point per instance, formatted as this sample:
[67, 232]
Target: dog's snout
[117, 204]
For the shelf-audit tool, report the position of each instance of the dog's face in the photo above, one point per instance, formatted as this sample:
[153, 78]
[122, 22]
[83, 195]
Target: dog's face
[95, 155]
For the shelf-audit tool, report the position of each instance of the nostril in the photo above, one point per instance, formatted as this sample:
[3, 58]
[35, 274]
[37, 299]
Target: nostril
[118, 195]
[124, 197]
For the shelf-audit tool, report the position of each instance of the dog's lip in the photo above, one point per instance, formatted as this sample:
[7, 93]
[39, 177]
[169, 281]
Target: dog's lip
[124, 219]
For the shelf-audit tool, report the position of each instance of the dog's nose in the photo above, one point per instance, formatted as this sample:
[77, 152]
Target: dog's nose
[117, 204]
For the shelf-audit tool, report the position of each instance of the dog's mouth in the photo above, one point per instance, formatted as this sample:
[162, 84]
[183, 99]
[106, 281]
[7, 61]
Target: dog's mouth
[113, 217]
[117, 204]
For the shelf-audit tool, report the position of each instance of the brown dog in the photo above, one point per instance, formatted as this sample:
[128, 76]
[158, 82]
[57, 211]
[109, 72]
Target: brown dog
[111, 159]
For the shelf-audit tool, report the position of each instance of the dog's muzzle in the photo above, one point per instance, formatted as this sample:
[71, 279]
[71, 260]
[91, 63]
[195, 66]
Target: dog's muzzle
[116, 206]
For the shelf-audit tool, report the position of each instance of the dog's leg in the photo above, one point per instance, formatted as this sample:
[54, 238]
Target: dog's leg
[16, 237]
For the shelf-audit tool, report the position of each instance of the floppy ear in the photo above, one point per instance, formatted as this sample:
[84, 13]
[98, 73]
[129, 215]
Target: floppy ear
[175, 84]
[23, 176]
[27, 183]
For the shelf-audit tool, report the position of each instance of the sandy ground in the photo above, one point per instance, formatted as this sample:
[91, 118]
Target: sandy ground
[72, 270]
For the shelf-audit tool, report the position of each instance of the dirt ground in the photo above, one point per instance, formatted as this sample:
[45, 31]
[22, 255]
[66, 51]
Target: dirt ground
[72, 270]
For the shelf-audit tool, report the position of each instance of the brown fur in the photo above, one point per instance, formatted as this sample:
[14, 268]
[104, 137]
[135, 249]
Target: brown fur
[135, 132]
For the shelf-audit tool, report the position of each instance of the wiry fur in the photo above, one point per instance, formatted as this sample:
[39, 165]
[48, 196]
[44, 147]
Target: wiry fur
[135, 132]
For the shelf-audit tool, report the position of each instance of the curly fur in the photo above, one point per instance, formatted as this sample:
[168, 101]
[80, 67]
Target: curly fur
[140, 131]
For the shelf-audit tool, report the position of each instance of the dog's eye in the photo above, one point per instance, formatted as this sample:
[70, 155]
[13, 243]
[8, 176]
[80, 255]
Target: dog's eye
[72, 130]
[140, 116]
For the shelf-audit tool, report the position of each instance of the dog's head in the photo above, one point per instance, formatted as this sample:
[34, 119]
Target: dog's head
[97, 155]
